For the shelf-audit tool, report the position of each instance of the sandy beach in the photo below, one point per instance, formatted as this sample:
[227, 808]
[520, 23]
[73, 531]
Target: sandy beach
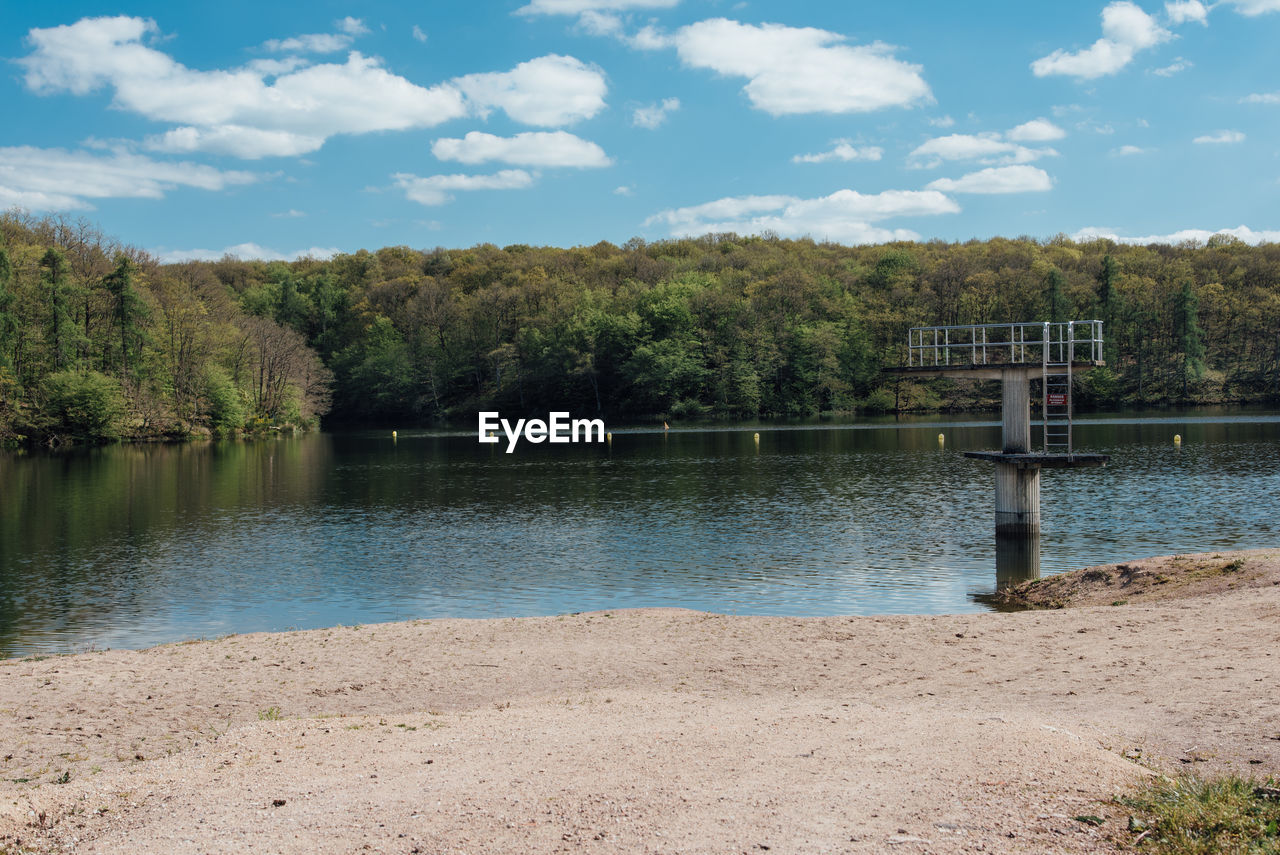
[657, 730]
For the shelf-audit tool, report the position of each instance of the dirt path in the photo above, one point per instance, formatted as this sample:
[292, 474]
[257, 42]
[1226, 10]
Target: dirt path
[643, 731]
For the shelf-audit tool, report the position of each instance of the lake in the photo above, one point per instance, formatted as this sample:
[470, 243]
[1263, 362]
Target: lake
[129, 546]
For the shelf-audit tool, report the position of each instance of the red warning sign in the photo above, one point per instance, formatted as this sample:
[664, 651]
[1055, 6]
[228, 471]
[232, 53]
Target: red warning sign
[1056, 399]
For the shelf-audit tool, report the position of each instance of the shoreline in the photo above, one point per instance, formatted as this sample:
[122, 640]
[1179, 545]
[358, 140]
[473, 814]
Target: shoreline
[651, 730]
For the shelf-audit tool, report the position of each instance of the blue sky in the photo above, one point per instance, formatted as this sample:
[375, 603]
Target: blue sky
[272, 129]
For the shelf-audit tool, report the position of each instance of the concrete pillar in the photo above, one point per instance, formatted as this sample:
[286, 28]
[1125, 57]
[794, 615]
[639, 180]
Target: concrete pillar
[1017, 559]
[1017, 489]
[1015, 409]
[1017, 500]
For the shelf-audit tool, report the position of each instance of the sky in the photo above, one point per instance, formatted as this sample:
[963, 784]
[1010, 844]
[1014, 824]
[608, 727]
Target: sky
[271, 130]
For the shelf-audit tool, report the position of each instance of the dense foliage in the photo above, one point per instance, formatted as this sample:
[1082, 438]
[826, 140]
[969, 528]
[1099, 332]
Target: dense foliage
[716, 326]
[97, 342]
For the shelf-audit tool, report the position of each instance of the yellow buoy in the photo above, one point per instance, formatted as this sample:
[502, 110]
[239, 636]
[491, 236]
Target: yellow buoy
[942, 440]
[608, 437]
[1177, 439]
[393, 434]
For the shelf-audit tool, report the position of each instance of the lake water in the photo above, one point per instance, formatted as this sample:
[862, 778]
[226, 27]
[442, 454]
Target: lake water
[130, 546]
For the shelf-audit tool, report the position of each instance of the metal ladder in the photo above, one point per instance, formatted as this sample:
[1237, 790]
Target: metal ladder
[1056, 403]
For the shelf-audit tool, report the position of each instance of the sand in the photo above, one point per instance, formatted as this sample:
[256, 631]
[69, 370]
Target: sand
[649, 730]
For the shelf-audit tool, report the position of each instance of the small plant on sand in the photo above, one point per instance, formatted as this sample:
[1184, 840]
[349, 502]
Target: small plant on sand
[1194, 816]
[270, 714]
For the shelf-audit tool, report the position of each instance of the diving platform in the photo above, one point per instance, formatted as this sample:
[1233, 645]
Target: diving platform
[1055, 353]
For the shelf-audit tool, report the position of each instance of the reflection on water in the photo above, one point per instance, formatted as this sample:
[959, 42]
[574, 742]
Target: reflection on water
[1017, 559]
[134, 545]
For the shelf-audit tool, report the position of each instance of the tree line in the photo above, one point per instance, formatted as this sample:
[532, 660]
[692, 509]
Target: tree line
[98, 341]
[716, 326]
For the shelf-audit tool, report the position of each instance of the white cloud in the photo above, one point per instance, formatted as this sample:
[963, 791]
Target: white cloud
[1261, 98]
[985, 148]
[235, 111]
[1037, 130]
[654, 114]
[310, 43]
[729, 207]
[842, 150]
[846, 215]
[235, 140]
[289, 107]
[942, 122]
[419, 35]
[291, 214]
[1179, 64]
[600, 23]
[1126, 150]
[650, 37]
[53, 179]
[435, 189]
[352, 26]
[1221, 137]
[1125, 22]
[556, 148]
[320, 42]
[550, 90]
[1181, 11]
[1254, 7]
[1126, 29]
[242, 251]
[1003, 179]
[802, 70]
[1243, 233]
[275, 67]
[577, 7]
[623, 190]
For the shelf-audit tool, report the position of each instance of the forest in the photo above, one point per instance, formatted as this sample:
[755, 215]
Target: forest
[100, 341]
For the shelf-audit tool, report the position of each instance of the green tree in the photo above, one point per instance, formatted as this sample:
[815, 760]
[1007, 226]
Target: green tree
[62, 333]
[1107, 278]
[127, 310]
[85, 404]
[1188, 335]
[1055, 283]
[225, 403]
[8, 321]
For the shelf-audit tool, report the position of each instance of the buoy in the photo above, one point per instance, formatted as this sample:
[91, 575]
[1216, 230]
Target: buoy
[666, 426]
[942, 440]
[1177, 439]
[393, 434]
[757, 438]
[608, 437]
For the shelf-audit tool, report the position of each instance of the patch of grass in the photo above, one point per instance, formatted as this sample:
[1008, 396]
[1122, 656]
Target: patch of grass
[1194, 816]
[270, 714]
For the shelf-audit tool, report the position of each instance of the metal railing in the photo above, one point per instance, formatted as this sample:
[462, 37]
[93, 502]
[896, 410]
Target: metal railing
[1004, 344]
